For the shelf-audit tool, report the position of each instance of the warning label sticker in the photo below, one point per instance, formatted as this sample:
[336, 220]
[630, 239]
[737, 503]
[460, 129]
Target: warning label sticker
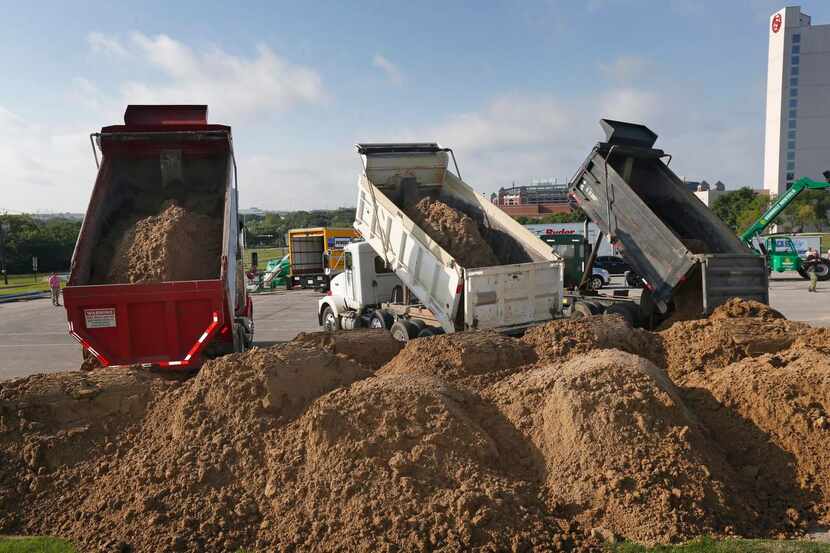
[100, 318]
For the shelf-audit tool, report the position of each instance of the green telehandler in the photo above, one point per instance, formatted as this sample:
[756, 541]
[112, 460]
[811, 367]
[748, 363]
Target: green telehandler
[780, 251]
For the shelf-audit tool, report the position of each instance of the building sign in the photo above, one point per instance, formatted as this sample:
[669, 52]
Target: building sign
[776, 23]
[100, 318]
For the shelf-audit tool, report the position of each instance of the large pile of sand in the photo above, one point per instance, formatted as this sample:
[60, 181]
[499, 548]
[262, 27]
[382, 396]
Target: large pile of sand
[176, 244]
[577, 433]
[454, 231]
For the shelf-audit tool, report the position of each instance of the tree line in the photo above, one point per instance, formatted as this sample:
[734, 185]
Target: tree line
[52, 241]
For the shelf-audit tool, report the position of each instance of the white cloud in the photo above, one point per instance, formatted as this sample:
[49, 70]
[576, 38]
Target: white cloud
[625, 68]
[107, 44]
[235, 87]
[392, 71]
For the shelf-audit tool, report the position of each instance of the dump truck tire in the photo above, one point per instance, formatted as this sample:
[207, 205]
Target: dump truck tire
[426, 333]
[381, 319]
[823, 270]
[580, 310]
[403, 330]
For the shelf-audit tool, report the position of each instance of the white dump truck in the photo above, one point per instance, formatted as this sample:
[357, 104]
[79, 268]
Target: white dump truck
[401, 279]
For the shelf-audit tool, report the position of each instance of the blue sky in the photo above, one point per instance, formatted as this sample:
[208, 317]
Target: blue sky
[516, 88]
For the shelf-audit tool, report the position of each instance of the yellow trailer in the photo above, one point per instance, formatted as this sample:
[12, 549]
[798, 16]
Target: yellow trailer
[316, 255]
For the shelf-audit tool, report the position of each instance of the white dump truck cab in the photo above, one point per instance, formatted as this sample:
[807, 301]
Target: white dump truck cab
[365, 284]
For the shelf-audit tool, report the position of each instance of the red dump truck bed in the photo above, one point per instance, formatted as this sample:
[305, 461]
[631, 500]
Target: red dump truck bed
[156, 275]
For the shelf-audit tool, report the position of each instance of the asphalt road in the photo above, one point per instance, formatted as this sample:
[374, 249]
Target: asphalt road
[34, 338]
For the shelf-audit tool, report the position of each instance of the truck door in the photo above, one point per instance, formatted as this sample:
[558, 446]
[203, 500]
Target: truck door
[348, 270]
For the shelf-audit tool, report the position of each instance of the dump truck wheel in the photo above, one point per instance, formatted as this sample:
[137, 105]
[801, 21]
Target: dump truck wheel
[426, 333]
[331, 322]
[580, 310]
[381, 319]
[403, 330]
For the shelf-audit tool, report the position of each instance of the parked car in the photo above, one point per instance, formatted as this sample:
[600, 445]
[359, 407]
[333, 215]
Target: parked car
[614, 264]
[599, 278]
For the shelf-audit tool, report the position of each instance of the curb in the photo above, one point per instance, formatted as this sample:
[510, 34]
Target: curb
[26, 296]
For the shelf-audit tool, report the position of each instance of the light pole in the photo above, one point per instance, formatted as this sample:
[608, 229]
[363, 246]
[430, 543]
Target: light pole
[4, 230]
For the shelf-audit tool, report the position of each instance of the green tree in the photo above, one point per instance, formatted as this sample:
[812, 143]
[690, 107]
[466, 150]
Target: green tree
[731, 205]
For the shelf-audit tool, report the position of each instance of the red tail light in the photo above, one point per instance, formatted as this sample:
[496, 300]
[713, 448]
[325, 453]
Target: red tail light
[459, 288]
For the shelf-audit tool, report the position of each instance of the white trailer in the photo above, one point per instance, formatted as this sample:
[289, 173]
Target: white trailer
[435, 293]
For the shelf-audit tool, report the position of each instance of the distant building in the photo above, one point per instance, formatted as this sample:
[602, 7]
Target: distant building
[535, 200]
[797, 141]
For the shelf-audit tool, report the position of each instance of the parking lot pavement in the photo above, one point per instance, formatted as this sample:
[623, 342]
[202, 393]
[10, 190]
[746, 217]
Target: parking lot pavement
[33, 336]
[788, 294]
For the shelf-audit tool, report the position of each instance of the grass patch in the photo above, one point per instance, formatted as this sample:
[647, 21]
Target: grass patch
[24, 284]
[35, 545]
[708, 545]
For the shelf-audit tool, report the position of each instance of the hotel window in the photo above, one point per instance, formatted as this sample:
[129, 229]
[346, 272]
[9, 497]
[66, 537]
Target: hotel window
[796, 49]
[791, 145]
[791, 124]
[796, 38]
[794, 81]
[790, 156]
[794, 60]
[792, 114]
[793, 92]
[791, 135]
[790, 166]
[790, 176]
[793, 103]
[794, 70]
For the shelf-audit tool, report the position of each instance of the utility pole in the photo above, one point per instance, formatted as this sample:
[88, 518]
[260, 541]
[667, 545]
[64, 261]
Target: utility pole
[4, 229]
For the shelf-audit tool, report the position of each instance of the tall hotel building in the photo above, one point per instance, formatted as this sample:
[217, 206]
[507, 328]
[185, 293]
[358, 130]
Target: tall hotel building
[797, 132]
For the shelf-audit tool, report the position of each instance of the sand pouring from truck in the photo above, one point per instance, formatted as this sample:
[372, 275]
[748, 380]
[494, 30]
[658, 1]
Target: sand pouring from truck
[425, 278]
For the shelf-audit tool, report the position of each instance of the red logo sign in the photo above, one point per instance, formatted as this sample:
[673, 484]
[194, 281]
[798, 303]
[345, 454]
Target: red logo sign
[776, 23]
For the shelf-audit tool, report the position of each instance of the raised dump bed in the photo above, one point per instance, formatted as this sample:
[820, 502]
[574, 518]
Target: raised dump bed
[687, 256]
[156, 273]
[484, 270]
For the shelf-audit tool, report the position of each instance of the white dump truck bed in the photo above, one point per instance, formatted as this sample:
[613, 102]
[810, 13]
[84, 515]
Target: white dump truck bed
[525, 290]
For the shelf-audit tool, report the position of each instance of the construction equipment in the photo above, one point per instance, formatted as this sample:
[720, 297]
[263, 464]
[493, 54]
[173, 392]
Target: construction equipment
[402, 279]
[316, 255]
[689, 260]
[780, 251]
[161, 153]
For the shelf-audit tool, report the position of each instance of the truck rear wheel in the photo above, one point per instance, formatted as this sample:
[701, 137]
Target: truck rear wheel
[823, 270]
[404, 331]
[381, 319]
[426, 332]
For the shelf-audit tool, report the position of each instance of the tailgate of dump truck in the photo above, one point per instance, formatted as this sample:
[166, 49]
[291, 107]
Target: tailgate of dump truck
[164, 324]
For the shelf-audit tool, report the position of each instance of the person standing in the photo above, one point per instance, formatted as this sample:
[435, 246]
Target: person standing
[55, 288]
[813, 259]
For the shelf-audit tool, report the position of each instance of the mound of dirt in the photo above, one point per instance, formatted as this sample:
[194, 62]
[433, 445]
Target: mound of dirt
[562, 339]
[370, 348]
[738, 308]
[401, 463]
[176, 244]
[470, 358]
[710, 344]
[771, 415]
[454, 231]
[620, 451]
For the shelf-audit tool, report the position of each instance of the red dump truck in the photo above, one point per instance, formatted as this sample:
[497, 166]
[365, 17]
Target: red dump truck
[165, 171]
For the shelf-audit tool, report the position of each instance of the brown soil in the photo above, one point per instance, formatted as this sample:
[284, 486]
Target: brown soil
[176, 244]
[454, 231]
[562, 339]
[467, 358]
[737, 308]
[579, 432]
[620, 451]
